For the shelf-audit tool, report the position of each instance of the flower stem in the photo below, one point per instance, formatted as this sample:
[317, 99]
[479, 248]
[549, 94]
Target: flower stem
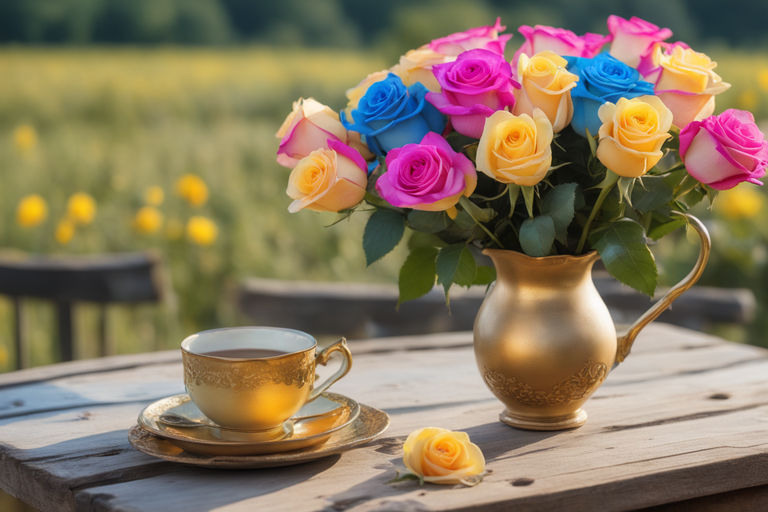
[487, 231]
[608, 184]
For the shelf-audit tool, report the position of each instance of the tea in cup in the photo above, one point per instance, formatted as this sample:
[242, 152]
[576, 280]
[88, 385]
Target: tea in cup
[255, 378]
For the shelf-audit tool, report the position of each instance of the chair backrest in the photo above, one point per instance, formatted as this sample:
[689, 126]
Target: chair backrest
[64, 280]
[366, 310]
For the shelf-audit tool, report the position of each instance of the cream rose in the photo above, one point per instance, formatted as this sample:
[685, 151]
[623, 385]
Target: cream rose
[632, 134]
[545, 84]
[688, 84]
[416, 66]
[516, 149]
[328, 179]
[307, 128]
[442, 456]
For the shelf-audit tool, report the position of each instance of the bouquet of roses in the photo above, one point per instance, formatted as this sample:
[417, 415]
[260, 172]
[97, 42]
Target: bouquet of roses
[580, 143]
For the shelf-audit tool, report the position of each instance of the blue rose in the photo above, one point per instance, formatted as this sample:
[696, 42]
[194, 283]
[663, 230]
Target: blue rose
[391, 115]
[601, 79]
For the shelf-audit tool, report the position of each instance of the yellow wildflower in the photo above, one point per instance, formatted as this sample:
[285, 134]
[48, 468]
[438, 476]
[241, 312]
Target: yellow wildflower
[154, 196]
[193, 189]
[148, 220]
[762, 79]
[81, 208]
[739, 203]
[65, 230]
[202, 230]
[24, 138]
[31, 211]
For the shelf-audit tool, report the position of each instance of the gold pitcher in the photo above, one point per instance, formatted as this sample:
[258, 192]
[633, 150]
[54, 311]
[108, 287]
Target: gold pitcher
[544, 340]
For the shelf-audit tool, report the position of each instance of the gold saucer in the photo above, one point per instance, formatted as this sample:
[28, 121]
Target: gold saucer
[312, 425]
[369, 424]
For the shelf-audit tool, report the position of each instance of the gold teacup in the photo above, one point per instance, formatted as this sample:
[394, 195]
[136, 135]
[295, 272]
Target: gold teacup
[255, 378]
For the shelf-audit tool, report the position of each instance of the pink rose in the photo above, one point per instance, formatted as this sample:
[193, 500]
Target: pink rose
[634, 39]
[480, 37]
[559, 40]
[724, 150]
[428, 176]
[474, 86]
[308, 127]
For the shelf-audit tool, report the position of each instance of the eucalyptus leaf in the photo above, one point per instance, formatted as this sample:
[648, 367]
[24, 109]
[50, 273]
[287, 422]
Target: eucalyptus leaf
[626, 256]
[559, 204]
[417, 275]
[383, 232]
[537, 235]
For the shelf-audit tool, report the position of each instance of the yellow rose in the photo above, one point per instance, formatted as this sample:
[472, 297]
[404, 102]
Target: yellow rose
[545, 83]
[147, 220]
[442, 456]
[193, 189]
[81, 208]
[328, 180]
[355, 94]
[688, 84]
[31, 211]
[515, 149]
[632, 134]
[65, 230]
[202, 230]
[416, 66]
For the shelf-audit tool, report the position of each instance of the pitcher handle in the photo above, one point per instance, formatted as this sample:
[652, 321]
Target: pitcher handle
[624, 342]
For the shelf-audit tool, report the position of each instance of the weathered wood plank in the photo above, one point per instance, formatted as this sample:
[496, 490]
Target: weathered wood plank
[685, 415]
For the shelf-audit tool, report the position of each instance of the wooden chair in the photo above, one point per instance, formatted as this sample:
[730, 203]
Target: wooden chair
[368, 310]
[103, 279]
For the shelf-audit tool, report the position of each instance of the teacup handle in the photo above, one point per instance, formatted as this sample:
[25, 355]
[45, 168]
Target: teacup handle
[322, 358]
[625, 342]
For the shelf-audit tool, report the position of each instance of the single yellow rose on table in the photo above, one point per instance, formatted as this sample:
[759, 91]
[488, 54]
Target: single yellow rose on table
[441, 456]
[545, 83]
[632, 134]
[516, 149]
[688, 84]
[416, 66]
[329, 179]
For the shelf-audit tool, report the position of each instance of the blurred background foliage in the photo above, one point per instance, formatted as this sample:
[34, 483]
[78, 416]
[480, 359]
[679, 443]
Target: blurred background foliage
[124, 101]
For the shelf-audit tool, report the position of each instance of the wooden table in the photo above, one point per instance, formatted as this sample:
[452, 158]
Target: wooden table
[685, 417]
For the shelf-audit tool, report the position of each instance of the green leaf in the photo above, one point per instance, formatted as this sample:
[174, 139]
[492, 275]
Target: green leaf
[417, 275]
[455, 264]
[592, 143]
[653, 192]
[514, 193]
[693, 197]
[528, 193]
[559, 204]
[627, 257]
[382, 233]
[625, 188]
[421, 239]
[485, 275]
[471, 151]
[666, 228]
[428, 222]
[537, 235]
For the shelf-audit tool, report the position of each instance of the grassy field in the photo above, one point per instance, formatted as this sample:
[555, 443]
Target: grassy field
[114, 122]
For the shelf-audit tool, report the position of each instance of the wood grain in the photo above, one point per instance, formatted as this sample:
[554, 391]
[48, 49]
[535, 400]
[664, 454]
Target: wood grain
[685, 416]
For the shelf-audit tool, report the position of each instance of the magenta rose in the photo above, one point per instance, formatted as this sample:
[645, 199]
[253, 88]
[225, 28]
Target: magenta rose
[480, 37]
[474, 86]
[634, 40]
[428, 176]
[724, 150]
[559, 40]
